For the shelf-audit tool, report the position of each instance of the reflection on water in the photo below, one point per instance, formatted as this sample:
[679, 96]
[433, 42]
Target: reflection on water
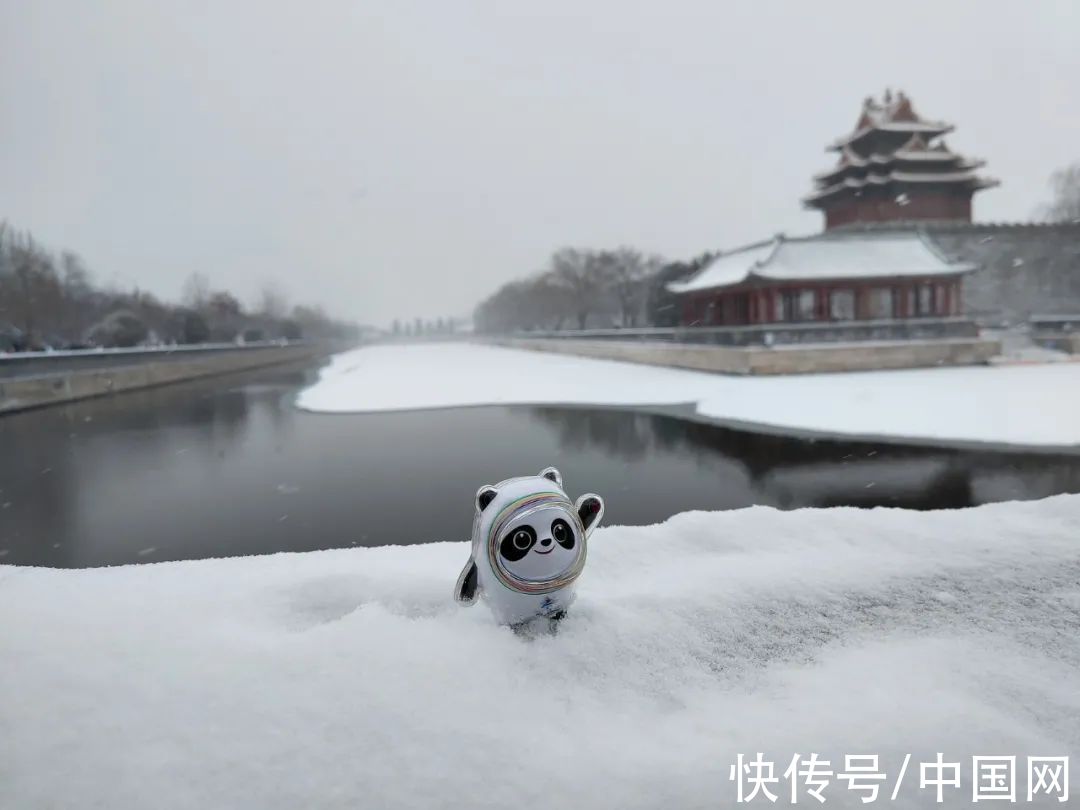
[228, 467]
[739, 469]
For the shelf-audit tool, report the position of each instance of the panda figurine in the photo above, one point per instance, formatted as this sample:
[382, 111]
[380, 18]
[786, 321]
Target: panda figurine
[528, 547]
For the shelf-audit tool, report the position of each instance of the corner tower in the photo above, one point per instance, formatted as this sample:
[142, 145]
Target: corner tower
[896, 167]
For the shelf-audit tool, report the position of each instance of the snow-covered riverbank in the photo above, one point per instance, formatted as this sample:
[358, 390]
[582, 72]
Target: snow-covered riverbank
[1029, 405]
[350, 679]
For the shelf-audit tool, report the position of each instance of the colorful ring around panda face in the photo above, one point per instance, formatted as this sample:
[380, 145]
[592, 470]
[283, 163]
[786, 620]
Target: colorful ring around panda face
[520, 509]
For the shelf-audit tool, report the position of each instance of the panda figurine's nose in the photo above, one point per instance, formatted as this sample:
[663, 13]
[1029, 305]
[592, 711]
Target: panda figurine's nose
[545, 542]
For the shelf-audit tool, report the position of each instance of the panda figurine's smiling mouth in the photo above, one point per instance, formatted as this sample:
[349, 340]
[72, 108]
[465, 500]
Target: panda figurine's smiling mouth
[550, 548]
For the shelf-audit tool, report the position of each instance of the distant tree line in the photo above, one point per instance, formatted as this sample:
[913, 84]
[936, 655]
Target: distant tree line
[50, 302]
[420, 327]
[578, 289]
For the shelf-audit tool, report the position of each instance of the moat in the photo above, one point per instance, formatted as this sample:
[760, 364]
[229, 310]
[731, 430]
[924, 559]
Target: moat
[229, 466]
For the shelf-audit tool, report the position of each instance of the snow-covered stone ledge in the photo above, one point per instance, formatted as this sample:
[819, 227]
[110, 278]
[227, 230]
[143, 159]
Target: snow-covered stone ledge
[1011, 407]
[350, 678]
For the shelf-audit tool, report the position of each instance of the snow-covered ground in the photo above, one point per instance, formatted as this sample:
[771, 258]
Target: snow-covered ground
[349, 679]
[1017, 346]
[1035, 405]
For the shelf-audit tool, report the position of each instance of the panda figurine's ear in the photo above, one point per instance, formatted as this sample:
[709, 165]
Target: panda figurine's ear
[466, 589]
[485, 495]
[590, 509]
[551, 474]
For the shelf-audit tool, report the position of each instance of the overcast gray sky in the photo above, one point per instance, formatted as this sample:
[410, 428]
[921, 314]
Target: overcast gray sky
[401, 159]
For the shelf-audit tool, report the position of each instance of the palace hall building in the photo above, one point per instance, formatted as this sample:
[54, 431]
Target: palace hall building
[830, 277]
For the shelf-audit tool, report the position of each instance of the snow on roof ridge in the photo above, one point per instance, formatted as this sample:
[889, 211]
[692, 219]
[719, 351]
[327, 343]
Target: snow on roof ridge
[937, 127]
[933, 247]
[695, 281]
[744, 248]
[778, 244]
[900, 176]
[952, 224]
[811, 263]
[928, 155]
[834, 255]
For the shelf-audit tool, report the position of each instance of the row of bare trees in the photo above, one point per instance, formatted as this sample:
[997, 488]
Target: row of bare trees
[49, 301]
[579, 288]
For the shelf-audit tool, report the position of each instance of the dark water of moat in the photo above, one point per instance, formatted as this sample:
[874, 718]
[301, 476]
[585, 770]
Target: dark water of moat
[229, 466]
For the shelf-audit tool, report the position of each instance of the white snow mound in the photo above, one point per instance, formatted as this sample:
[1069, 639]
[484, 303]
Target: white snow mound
[349, 679]
[1030, 405]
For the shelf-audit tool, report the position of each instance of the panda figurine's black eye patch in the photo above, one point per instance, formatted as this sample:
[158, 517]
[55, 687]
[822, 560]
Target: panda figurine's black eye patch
[517, 542]
[562, 533]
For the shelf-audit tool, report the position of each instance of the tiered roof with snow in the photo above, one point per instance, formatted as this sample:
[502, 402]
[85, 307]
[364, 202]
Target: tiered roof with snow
[896, 155]
[825, 257]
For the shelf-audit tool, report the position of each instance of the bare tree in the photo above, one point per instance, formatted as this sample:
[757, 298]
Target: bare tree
[48, 308]
[197, 291]
[627, 275]
[584, 275]
[551, 302]
[309, 315]
[77, 295]
[508, 309]
[32, 295]
[272, 303]
[224, 316]
[1065, 206]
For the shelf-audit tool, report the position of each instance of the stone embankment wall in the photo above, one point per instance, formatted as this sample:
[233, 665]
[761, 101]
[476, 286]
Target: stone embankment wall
[795, 359]
[53, 387]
